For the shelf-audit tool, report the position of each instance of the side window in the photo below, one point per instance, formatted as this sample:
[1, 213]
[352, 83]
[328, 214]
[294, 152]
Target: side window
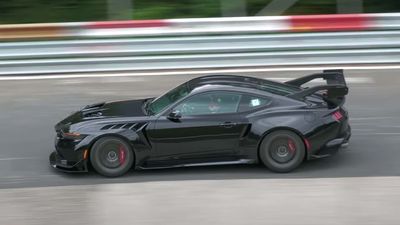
[249, 102]
[210, 103]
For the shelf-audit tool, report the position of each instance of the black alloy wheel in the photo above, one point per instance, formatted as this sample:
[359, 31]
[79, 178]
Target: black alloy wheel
[111, 156]
[282, 151]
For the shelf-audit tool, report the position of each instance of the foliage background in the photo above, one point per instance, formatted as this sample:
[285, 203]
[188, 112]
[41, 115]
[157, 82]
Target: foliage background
[33, 11]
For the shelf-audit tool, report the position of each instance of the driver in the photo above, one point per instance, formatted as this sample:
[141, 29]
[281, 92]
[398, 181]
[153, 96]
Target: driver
[214, 105]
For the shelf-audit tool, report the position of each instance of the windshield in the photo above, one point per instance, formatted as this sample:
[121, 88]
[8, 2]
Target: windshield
[160, 103]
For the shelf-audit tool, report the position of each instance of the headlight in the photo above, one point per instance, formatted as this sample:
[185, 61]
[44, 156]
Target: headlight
[73, 135]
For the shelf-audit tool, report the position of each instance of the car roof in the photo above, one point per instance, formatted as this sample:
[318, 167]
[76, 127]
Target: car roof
[244, 83]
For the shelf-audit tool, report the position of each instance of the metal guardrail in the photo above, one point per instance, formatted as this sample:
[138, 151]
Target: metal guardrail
[202, 44]
[199, 52]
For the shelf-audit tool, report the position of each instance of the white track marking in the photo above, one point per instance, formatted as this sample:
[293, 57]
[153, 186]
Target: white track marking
[349, 80]
[389, 126]
[198, 72]
[358, 129]
[18, 158]
[376, 133]
[373, 118]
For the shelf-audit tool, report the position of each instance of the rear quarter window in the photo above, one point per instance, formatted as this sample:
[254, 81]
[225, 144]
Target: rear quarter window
[250, 102]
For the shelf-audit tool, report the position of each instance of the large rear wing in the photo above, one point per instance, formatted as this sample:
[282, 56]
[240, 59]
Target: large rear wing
[335, 90]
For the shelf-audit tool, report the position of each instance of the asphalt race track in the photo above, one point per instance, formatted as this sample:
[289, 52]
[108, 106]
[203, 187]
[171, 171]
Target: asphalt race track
[360, 185]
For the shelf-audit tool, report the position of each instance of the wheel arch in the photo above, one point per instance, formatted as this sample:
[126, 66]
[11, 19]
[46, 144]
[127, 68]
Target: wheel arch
[297, 132]
[90, 145]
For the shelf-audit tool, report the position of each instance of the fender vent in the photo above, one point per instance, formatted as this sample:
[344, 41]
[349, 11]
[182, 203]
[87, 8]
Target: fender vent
[119, 126]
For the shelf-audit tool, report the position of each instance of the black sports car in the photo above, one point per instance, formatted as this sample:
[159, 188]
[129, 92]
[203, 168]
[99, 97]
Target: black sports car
[220, 119]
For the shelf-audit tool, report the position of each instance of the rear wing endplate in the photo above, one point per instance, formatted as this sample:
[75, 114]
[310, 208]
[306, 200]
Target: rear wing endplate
[331, 77]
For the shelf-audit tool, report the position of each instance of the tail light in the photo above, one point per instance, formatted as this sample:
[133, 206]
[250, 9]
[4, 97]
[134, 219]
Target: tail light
[337, 116]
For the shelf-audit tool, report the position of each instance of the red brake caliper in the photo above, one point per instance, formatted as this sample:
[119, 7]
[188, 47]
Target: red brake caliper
[121, 154]
[291, 145]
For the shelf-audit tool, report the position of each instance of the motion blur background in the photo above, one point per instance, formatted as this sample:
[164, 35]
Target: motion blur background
[39, 11]
[59, 55]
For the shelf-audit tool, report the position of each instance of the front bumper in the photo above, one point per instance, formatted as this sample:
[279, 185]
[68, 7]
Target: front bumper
[68, 154]
[57, 162]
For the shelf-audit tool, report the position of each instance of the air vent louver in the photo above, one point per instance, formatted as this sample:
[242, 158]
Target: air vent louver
[119, 126]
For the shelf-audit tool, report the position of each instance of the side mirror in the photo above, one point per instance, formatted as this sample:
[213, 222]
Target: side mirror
[174, 115]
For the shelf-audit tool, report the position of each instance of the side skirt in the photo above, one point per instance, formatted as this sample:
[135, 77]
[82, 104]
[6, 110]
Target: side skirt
[241, 161]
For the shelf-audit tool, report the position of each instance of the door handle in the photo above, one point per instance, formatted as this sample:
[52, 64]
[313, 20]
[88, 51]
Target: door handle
[228, 124]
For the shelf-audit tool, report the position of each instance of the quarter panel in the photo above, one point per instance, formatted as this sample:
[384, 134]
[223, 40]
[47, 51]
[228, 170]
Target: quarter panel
[263, 123]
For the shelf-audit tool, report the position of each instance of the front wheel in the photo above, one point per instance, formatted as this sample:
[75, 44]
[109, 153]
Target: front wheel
[282, 151]
[111, 156]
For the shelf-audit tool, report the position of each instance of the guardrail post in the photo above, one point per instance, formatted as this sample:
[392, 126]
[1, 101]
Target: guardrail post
[350, 6]
[233, 8]
[119, 9]
[276, 7]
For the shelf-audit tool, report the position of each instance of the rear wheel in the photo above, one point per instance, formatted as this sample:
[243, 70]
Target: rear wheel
[282, 151]
[111, 156]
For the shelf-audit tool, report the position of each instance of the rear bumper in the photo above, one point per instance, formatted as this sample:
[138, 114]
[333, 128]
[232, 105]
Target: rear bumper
[57, 162]
[339, 142]
[334, 145]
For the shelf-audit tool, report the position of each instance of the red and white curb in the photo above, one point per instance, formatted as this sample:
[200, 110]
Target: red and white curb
[306, 23]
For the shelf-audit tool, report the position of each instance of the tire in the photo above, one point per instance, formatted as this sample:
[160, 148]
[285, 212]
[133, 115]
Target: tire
[111, 156]
[282, 151]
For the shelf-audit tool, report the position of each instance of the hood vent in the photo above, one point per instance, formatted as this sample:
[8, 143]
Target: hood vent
[94, 113]
[95, 110]
[93, 106]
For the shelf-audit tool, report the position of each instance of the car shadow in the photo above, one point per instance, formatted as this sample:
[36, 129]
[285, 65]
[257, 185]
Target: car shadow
[361, 159]
[340, 165]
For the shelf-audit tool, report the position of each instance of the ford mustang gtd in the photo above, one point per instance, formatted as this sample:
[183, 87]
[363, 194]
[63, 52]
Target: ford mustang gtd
[220, 119]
